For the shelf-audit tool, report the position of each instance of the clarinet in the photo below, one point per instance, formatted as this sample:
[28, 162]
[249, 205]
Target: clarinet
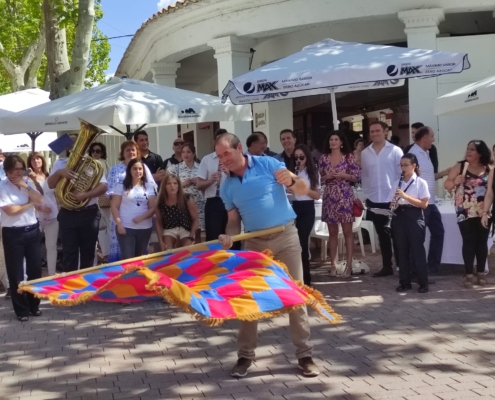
[393, 206]
[296, 170]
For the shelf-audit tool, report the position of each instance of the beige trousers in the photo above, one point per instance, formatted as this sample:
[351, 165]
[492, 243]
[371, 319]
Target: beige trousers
[286, 248]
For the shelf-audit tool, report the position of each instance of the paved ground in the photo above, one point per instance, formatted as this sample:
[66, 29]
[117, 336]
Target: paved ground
[396, 346]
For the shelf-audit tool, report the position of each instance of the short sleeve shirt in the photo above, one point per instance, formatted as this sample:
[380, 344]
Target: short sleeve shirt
[416, 188]
[62, 162]
[208, 166]
[135, 202]
[154, 162]
[11, 195]
[261, 201]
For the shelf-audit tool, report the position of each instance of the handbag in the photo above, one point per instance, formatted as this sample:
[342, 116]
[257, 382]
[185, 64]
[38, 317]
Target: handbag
[357, 208]
[103, 201]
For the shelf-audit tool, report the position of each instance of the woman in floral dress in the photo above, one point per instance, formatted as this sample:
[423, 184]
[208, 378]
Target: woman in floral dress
[471, 188]
[338, 171]
[128, 151]
[187, 171]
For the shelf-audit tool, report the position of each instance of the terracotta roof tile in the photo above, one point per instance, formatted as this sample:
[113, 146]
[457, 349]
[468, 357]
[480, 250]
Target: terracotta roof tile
[173, 8]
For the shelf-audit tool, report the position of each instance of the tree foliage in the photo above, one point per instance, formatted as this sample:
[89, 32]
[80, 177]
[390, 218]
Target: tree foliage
[21, 25]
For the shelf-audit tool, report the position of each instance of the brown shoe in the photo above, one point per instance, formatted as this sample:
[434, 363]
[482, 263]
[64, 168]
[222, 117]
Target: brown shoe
[308, 367]
[481, 278]
[468, 281]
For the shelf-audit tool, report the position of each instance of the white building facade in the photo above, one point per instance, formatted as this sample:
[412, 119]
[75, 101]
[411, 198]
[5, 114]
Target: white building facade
[200, 44]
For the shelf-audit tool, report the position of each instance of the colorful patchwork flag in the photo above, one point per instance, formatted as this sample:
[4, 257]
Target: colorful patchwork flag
[212, 284]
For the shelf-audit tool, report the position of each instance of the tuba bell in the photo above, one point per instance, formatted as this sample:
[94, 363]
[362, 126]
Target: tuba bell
[90, 170]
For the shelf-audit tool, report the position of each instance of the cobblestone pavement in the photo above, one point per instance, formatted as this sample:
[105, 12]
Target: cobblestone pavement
[410, 346]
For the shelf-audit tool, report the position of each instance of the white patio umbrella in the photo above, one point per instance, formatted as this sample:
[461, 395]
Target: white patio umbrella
[476, 98]
[19, 101]
[329, 64]
[121, 103]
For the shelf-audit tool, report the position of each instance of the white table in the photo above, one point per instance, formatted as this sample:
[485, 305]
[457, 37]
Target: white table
[452, 242]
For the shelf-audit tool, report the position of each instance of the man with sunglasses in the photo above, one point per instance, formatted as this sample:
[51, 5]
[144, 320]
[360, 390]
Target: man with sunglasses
[175, 158]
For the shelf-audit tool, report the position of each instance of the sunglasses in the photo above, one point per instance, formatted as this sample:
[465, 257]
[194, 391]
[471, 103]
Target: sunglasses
[178, 143]
[97, 151]
[301, 158]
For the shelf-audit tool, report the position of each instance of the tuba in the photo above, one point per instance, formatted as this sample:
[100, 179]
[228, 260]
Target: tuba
[90, 170]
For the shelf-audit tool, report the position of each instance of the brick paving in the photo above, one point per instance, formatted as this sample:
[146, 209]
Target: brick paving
[435, 346]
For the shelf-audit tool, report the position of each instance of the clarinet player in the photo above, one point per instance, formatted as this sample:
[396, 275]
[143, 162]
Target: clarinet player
[408, 226]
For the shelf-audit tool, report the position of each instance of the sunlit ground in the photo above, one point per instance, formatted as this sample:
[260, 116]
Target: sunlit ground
[438, 345]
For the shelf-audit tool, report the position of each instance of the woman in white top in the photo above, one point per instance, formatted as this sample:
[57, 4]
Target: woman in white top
[409, 197]
[37, 170]
[21, 234]
[133, 205]
[48, 221]
[98, 151]
[129, 150]
[302, 164]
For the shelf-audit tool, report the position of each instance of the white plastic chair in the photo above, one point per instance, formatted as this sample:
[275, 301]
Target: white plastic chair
[320, 231]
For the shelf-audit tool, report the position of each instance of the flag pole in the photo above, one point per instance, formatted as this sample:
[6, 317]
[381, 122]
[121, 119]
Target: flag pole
[334, 109]
[193, 247]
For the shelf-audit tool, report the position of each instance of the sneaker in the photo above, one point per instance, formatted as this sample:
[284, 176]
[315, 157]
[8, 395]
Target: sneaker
[308, 367]
[241, 367]
[8, 295]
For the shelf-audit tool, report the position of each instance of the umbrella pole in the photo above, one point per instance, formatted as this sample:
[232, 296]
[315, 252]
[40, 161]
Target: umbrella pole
[334, 109]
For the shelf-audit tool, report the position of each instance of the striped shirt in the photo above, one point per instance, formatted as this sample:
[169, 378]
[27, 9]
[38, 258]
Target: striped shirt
[426, 168]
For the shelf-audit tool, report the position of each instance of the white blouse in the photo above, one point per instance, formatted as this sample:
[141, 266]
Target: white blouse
[416, 188]
[304, 175]
[10, 195]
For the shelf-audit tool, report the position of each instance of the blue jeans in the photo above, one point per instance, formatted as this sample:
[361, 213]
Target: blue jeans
[433, 220]
[134, 243]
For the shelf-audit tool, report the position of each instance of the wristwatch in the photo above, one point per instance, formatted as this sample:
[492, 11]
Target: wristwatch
[29, 188]
[293, 181]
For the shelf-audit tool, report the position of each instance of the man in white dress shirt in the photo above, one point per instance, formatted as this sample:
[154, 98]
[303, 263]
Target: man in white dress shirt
[380, 169]
[424, 139]
[210, 176]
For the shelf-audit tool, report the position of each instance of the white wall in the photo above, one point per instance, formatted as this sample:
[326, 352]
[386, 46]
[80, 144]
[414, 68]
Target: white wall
[112, 143]
[456, 131]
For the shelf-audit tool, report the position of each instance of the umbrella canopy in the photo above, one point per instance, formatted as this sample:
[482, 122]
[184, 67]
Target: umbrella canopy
[124, 102]
[330, 64]
[19, 101]
[476, 98]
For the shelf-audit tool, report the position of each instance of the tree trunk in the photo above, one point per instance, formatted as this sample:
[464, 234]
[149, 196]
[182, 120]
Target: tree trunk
[66, 79]
[23, 74]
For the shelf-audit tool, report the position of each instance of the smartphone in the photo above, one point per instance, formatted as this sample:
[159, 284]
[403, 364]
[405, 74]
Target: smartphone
[27, 172]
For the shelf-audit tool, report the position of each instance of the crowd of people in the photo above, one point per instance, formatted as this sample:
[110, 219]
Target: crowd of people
[250, 188]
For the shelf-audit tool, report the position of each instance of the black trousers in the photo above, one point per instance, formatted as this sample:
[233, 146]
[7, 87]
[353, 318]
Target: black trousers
[305, 219]
[79, 233]
[379, 221]
[474, 238]
[19, 244]
[216, 220]
[433, 220]
[409, 229]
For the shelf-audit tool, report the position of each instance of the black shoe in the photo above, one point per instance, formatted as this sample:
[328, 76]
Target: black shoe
[403, 288]
[383, 272]
[430, 281]
[423, 289]
[8, 295]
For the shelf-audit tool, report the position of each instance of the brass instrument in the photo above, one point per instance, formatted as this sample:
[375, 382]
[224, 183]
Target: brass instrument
[393, 206]
[90, 170]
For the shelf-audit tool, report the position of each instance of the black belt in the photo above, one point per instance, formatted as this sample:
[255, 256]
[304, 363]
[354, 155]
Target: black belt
[404, 206]
[27, 228]
[91, 207]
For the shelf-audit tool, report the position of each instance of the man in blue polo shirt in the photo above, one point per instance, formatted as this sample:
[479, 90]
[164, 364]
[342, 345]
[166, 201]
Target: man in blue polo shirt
[255, 193]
